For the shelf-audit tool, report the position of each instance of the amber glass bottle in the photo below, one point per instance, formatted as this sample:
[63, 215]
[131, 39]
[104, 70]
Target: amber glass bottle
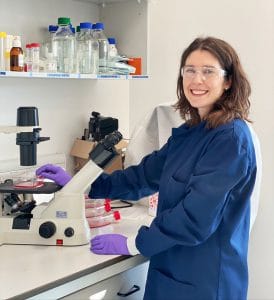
[16, 56]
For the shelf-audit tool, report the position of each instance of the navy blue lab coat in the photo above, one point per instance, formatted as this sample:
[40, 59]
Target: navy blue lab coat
[198, 242]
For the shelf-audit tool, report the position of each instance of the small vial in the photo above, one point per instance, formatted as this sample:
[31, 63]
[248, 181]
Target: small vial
[35, 47]
[16, 55]
[3, 37]
[8, 47]
[28, 58]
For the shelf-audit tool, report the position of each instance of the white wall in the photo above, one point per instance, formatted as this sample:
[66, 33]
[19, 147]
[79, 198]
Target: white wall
[64, 105]
[249, 27]
[127, 22]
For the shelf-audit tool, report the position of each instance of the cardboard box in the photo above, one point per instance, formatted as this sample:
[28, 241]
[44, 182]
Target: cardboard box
[81, 149]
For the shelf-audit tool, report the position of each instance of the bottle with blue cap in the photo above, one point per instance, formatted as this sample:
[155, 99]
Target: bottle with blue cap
[112, 50]
[87, 50]
[99, 35]
[47, 44]
[63, 46]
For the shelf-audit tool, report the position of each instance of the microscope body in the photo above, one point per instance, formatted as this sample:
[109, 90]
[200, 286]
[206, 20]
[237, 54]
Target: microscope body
[61, 221]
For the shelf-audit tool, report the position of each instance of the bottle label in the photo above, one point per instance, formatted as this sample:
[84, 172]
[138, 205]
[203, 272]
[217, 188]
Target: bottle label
[17, 61]
[7, 60]
[21, 60]
[51, 67]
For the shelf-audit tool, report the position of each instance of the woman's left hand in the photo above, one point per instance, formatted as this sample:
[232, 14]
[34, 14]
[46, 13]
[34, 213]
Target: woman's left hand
[109, 244]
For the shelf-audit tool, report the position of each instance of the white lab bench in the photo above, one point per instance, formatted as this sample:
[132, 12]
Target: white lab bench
[53, 272]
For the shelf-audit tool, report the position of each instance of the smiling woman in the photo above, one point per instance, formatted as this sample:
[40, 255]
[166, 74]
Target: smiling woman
[211, 84]
[204, 176]
[204, 81]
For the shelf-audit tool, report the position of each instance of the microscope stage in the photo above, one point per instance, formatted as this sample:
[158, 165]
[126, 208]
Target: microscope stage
[46, 188]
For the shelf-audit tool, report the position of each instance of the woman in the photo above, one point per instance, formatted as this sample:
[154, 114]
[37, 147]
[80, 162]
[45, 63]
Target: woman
[205, 173]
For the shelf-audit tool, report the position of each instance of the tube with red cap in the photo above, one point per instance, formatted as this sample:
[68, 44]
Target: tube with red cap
[103, 220]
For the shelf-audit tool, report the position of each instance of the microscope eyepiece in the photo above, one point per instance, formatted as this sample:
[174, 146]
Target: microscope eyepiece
[27, 116]
[104, 151]
[111, 139]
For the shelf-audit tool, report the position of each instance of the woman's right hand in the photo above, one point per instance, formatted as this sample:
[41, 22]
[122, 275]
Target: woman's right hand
[55, 173]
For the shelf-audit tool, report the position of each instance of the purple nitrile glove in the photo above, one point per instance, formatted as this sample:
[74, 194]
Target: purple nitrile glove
[109, 244]
[55, 173]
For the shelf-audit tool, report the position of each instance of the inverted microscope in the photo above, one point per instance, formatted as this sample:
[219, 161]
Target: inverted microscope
[61, 221]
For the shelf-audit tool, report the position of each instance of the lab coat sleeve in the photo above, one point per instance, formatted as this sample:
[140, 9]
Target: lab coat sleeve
[198, 213]
[131, 246]
[134, 182]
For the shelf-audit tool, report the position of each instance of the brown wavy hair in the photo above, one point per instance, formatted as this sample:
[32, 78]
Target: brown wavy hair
[234, 102]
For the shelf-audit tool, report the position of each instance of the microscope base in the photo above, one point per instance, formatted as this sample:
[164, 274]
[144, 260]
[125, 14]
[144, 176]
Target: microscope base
[64, 232]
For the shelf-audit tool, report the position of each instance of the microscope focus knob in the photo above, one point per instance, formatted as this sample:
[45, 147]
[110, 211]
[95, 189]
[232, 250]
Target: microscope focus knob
[47, 230]
[69, 232]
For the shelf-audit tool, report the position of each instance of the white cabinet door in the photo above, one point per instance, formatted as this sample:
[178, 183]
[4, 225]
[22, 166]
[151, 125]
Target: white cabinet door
[128, 285]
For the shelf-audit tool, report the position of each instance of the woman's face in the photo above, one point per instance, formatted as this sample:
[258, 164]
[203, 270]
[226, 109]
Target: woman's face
[203, 81]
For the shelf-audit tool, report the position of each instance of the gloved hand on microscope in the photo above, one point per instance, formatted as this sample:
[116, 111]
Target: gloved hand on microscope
[55, 173]
[114, 244]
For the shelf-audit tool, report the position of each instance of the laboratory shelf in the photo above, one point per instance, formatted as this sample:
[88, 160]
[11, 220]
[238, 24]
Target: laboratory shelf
[104, 2]
[9, 74]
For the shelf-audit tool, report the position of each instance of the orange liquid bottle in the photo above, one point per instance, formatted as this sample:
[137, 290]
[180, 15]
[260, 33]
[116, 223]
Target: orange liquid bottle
[16, 56]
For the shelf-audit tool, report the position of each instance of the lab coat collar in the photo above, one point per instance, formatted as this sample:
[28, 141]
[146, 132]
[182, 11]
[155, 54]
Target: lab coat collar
[186, 129]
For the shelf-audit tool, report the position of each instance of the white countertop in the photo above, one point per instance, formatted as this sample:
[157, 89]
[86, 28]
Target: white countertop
[27, 270]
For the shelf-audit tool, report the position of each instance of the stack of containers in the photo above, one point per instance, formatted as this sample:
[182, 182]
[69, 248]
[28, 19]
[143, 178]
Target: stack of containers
[86, 51]
[99, 213]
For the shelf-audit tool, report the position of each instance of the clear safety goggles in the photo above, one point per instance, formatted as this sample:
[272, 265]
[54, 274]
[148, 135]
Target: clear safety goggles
[206, 72]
